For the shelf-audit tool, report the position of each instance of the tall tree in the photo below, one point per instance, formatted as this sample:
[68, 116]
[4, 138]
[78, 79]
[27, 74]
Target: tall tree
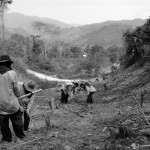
[46, 31]
[3, 8]
[114, 53]
[76, 51]
[97, 57]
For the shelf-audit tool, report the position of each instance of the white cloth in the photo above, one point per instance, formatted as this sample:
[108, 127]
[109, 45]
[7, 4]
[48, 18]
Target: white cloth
[69, 83]
[90, 89]
[9, 103]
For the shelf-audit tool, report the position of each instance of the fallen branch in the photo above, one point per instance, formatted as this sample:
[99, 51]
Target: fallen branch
[53, 134]
[134, 146]
[33, 123]
[23, 143]
[77, 113]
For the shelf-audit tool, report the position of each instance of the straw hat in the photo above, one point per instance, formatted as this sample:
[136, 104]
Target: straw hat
[30, 86]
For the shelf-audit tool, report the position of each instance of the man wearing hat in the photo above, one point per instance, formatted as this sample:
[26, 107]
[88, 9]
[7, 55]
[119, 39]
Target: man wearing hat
[27, 102]
[9, 104]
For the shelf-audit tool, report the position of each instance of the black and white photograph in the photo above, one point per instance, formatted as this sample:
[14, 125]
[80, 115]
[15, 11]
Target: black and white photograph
[74, 74]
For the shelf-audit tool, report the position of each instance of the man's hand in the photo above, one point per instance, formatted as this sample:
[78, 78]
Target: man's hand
[28, 111]
[31, 94]
[16, 91]
[21, 109]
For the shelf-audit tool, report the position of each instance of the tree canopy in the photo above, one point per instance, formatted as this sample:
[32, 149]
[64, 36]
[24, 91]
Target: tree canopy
[137, 45]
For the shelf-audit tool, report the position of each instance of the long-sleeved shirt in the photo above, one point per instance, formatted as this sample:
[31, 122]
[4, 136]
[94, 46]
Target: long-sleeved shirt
[8, 87]
[90, 89]
[26, 102]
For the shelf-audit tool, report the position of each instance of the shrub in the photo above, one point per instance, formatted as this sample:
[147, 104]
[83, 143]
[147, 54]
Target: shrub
[19, 65]
[43, 84]
[46, 84]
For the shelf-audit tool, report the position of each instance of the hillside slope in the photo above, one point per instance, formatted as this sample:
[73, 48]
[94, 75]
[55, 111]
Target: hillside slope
[98, 127]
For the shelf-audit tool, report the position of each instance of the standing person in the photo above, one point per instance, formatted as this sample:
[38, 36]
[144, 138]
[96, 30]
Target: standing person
[9, 104]
[90, 90]
[27, 102]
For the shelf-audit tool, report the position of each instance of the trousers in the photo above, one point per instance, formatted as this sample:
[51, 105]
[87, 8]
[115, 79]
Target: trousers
[89, 97]
[26, 121]
[64, 97]
[17, 124]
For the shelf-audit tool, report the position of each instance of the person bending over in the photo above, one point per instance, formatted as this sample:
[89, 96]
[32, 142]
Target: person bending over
[27, 102]
[90, 91]
[75, 87]
[66, 92]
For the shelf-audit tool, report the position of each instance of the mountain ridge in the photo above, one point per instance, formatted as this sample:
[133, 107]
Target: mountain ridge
[78, 35]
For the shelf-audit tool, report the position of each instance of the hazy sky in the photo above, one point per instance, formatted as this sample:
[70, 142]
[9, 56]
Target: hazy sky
[83, 11]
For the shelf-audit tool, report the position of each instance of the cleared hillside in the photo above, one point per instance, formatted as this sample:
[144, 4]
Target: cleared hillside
[112, 108]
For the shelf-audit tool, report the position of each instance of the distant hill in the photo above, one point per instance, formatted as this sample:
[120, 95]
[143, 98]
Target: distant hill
[18, 21]
[105, 36]
[76, 25]
[84, 29]
[105, 33]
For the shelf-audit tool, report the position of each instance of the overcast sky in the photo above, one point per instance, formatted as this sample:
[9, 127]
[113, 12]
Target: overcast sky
[83, 11]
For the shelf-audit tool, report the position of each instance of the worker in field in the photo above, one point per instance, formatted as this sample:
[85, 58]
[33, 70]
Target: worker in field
[75, 88]
[66, 92]
[9, 105]
[90, 91]
[27, 102]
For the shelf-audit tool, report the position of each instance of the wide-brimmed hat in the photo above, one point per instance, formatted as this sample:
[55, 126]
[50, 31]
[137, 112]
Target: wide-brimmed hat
[5, 58]
[30, 85]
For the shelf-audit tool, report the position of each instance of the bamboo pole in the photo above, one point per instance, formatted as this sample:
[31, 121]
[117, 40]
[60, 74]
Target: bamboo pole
[30, 94]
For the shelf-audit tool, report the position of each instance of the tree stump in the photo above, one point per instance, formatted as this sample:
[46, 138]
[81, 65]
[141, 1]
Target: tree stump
[51, 105]
[142, 97]
[47, 123]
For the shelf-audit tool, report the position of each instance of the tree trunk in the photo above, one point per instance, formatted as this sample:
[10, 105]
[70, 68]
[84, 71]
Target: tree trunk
[3, 30]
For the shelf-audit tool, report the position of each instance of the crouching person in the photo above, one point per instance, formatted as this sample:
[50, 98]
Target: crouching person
[90, 90]
[75, 88]
[27, 102]
[65, 92]
[9, 104]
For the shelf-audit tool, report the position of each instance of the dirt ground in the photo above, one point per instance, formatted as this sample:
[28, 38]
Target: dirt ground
[78, 126]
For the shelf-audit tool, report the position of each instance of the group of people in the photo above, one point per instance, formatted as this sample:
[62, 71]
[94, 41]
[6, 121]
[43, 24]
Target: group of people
[69, 90]
[16, 108]
[12, 107]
